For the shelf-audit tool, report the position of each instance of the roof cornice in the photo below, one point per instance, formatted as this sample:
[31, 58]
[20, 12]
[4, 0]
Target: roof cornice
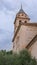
[20, 18]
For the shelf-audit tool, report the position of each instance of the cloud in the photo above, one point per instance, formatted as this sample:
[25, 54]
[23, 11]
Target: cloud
[31, 9]
[6, 21]
[5, 39]
[8, 4]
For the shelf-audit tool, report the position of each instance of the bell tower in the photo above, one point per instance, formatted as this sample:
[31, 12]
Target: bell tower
[21, 16]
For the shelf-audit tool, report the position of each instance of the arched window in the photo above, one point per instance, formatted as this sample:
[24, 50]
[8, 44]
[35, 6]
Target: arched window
[19, 21]
[19, 15]
[25, 21]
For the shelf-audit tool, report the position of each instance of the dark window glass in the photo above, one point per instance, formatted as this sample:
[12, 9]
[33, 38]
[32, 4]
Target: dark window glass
[25, 21]
[20, 21]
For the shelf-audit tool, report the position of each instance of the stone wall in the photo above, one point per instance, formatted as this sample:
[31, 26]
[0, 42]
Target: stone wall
[24, 36]
[33, 50]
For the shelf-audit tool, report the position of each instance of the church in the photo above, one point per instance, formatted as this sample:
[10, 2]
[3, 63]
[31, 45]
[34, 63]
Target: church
[25, 34]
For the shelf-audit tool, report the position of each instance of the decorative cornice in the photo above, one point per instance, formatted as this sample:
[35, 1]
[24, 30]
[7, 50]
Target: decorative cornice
[25, 24]
[29, 24]
[20, 18]
[31, 42]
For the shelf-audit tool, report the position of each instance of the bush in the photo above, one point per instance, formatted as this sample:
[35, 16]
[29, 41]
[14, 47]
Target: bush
[23, 58]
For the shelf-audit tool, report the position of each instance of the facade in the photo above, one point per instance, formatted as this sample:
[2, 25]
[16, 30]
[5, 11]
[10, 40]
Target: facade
[25, 34]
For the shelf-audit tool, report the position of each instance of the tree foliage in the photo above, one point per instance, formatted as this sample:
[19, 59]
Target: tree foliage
[10, 58]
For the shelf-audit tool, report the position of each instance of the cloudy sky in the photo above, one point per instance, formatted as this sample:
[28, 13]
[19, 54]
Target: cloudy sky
[8, 10]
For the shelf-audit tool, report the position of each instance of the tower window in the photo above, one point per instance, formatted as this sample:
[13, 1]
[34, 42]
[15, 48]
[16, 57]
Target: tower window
[19, 15]
[25, 21]
[20, 21]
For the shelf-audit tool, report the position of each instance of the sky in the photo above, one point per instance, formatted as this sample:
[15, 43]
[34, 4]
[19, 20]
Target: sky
[8, 11]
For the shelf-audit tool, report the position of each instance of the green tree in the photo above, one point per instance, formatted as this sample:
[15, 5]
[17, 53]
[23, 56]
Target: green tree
[24, 58]
[10, 58]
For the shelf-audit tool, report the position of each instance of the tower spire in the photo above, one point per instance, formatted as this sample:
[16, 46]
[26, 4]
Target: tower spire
[21, 6]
